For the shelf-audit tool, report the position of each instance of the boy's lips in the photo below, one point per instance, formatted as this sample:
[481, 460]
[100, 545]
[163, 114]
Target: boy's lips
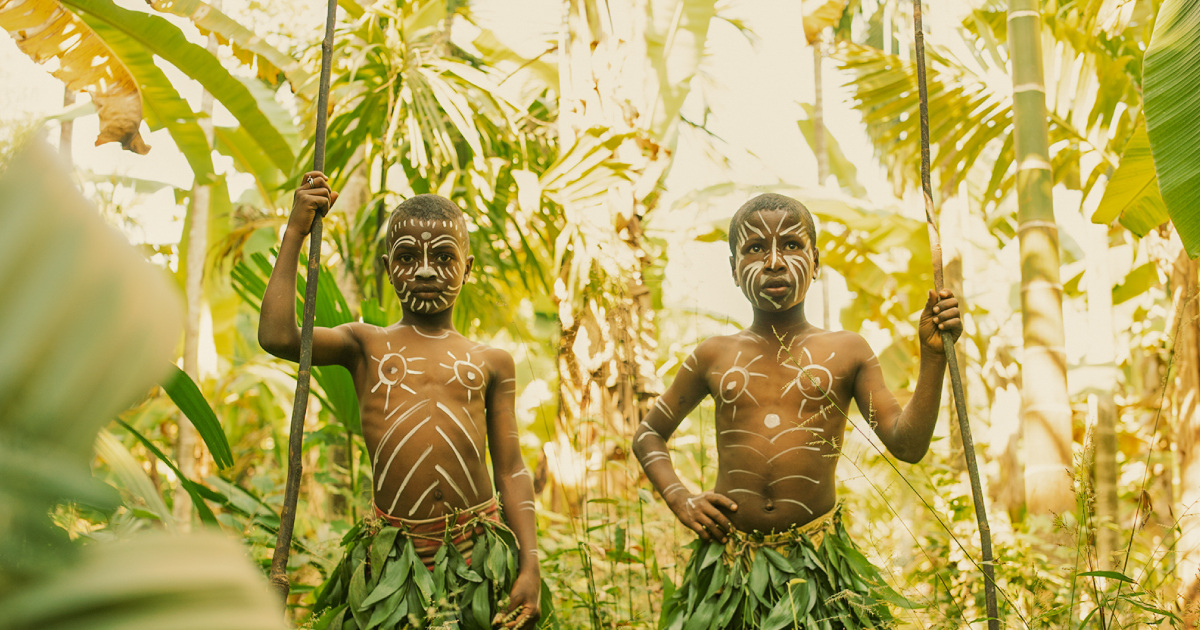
[776, 287]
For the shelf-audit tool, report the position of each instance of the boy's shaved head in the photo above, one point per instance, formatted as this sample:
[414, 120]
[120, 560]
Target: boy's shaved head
[428, 207]
[770, 201]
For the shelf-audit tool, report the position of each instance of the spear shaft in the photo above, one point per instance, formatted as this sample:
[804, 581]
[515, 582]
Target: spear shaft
[287, 518]
[960, 402]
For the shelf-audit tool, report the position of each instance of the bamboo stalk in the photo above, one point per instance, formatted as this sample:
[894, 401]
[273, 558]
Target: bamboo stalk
[960, 405]
[287, 518]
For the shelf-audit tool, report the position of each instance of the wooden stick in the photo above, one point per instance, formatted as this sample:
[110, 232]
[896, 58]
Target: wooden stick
[960, 402]
[287, 518]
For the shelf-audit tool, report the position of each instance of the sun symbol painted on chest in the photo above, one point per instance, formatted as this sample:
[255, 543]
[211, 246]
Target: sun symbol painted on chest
[813, 380]
[735, 382]
[466, 373]
[391, 371]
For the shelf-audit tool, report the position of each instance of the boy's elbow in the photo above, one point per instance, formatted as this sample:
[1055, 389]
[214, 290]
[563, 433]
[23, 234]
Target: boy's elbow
[274, 344]
[639, 446]
[910, 455]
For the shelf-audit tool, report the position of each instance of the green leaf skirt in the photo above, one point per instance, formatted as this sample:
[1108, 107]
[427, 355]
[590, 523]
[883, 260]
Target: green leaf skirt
[810, 577]
[382, 584]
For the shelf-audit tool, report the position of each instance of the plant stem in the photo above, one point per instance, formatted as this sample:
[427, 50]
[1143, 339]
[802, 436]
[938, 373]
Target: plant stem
[985, 532]
[287, 517]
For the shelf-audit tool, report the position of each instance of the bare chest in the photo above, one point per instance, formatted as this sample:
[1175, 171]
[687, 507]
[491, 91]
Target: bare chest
[776, 390]
[404, 370]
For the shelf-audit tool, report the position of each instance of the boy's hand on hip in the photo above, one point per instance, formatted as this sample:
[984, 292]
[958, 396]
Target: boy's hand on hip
[312, 197]
[702, 514]
[940, 315]
[524, 602]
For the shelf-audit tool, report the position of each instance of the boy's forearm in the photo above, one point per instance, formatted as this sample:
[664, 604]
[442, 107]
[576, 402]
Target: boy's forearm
[277, 329]
[654, 457]
[917, 422]
[516, 495]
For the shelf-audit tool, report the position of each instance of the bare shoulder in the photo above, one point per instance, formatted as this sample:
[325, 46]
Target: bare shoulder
[357, 336]
[851, 344]
[499, 361]
[711, 350]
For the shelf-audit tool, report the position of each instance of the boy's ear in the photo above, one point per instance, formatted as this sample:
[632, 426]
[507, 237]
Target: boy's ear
[816, 263]
[733, 271]
[470, 265]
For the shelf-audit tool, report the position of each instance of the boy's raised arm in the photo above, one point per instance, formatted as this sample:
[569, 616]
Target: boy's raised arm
[698, 512]
[907, 432]
[514, 484]
[278, 332]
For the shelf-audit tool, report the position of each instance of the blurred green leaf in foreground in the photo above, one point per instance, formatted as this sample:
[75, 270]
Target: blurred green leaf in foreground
[88, 327]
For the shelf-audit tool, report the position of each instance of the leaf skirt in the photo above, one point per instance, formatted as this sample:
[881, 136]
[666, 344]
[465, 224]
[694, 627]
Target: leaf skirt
[382, 583]
[812, 577]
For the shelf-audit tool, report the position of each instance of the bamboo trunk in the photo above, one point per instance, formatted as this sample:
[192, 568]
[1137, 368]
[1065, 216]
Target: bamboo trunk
[1047, 414]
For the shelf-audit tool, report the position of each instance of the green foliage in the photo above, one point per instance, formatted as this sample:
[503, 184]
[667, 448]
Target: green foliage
[96, 327]
[1132, 193]
[183, 390]
[1172, 79]
[162, 38]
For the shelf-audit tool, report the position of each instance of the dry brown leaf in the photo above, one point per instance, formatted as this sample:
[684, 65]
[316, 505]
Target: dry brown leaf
[52, 35]
[819, 15]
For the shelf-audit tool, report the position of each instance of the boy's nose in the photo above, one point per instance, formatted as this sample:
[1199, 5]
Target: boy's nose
[775, 260]
[425, 273]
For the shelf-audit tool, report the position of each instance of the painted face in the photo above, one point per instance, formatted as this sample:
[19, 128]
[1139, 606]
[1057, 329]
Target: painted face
[427, 262]
[775, 261]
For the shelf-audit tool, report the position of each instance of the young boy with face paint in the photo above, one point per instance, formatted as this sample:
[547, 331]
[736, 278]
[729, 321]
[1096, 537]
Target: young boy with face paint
[431, 401]
[782, 389]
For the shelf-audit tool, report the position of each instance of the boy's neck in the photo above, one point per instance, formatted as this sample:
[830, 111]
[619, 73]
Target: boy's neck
[430, 322]
[775, 324]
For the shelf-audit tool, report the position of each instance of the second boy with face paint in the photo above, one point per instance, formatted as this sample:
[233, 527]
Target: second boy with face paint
[773, 550]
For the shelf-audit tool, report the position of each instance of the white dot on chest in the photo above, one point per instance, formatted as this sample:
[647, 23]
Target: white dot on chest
[730, 385]
[772, 421]
[470, 376]
[425, 235]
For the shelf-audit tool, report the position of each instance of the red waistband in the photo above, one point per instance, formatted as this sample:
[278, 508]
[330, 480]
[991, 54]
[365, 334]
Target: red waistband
[429, 535]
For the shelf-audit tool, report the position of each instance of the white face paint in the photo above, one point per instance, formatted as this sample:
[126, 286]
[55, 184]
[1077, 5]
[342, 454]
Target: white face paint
[427, 262]
[775, 260]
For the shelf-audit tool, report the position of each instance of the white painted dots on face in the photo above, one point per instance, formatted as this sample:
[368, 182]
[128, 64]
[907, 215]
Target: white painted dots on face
[427, 262]
[771, 421]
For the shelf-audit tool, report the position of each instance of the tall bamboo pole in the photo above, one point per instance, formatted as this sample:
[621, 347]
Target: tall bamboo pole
[960, 401]
[287, 518]
[1046, 417]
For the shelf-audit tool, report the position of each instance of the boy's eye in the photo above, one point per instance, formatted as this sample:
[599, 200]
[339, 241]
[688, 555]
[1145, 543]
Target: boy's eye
[791, 245]
[754, 249]
[406, 259]
[444, 258]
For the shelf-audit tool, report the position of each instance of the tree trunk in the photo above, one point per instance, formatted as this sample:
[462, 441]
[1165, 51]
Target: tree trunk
[822, 158]
[187, 455]
[65, 129]
[1186, 409]
[1101, 372]
[1047, 415]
